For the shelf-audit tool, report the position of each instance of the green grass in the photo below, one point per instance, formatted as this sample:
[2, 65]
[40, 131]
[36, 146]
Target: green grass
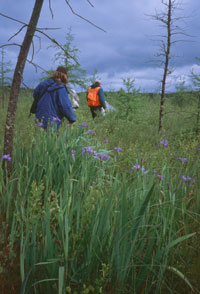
[90, 226]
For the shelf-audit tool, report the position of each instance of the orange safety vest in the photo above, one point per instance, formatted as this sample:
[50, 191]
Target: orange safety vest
[93, 97]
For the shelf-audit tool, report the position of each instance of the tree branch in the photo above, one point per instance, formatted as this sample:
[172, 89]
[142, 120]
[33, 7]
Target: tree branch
[55, 42]
[90, 3]
[14, 19]
[13, 44]
[67, 1]
[50, 9]
[17, 32]
[36, 65]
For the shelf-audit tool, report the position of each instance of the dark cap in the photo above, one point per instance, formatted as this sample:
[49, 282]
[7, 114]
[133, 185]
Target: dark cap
[97, 83]
[62, 69]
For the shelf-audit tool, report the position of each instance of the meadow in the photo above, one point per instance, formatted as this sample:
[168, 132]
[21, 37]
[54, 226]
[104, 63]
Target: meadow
[105, 206]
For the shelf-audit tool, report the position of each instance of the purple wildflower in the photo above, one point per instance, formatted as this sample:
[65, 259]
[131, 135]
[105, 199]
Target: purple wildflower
[91, 132]
[184, 160]
[56, 119]
[118, 149]
[105, 140]
[137, 167]
[103, 156]
[143, 169]
[160, 177]
[186, 179]
[83, 125]
[197, 149]
[88, 150]
[6, 157]
[40, 125]
[73, 154]
[164, 143]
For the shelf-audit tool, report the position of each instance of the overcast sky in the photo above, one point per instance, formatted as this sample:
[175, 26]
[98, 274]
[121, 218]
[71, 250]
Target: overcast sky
[126, 49]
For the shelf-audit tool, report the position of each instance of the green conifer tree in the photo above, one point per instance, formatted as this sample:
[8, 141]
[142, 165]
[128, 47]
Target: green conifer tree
[68, 58]
[5, 80]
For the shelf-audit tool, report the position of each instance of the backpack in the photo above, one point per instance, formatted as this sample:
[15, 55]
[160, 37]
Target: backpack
[93, 97]
[36, 100]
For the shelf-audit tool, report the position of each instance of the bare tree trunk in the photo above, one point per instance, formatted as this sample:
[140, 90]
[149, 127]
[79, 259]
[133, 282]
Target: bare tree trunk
[17, 78]
[167, 56]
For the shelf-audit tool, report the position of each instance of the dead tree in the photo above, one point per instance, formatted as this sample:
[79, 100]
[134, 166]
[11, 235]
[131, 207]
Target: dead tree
[18, 73]
[168, 22]
[166, 49]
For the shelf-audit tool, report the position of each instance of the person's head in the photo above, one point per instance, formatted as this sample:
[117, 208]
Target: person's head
[61, 74]
[97, 83]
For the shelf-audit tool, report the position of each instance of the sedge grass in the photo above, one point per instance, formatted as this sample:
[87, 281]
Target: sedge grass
[95, 218]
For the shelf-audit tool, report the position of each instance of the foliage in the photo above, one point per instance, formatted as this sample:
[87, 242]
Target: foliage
[82, 222]
[130, 85]
[196, 77]
[196, 82]
[5, 80]
[69, 59]
[93, 78]
[182, 95]
[5, 68]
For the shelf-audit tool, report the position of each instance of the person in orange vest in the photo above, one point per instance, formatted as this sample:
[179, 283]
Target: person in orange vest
[95, 99]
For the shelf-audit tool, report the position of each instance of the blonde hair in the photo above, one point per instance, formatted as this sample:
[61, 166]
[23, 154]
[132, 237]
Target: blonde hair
[61, 76]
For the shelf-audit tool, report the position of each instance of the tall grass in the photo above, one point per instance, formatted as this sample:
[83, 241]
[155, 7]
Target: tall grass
[81, 224]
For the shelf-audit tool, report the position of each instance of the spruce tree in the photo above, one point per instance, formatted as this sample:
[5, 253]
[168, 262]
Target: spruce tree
[5, 80]
[69, 59]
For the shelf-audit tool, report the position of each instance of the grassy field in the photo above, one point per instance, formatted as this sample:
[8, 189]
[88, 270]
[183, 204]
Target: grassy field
[106, 206]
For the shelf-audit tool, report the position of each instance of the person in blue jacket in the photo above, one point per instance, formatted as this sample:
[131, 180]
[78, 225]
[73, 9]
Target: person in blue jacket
[54, 103]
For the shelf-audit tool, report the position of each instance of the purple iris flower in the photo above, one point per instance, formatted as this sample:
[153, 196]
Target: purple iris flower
[137, 167]
[91, 132]
[184, 160]
[164, 143]
[103, 156]
[186, 179]
[83, 125]
[105, 140]
[88, 150]
[6, 157]
[160, 177]
[40, 124]
[118, 149]
[143, 169]
[56, 119]
[73, 153]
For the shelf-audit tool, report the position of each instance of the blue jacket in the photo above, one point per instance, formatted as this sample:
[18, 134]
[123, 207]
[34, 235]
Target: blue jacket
[54, 103]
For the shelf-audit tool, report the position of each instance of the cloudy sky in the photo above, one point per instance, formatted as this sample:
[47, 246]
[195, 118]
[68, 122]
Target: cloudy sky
[124, 47]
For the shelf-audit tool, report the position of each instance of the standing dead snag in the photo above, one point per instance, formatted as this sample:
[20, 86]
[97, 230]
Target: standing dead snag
[169, 23]
[166, 63]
